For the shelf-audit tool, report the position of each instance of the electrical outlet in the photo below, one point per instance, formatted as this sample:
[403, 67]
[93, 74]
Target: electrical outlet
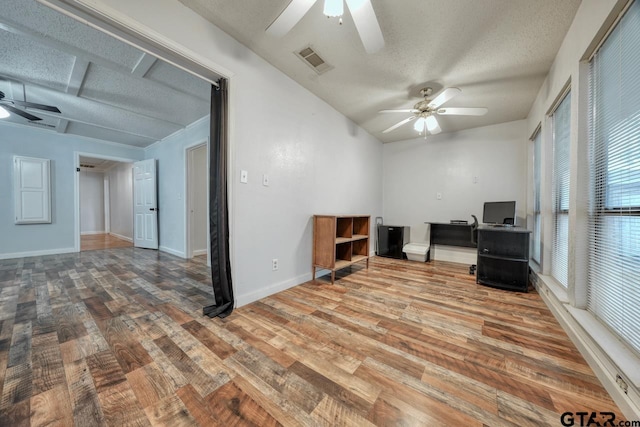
[439, 196]
[274, 264]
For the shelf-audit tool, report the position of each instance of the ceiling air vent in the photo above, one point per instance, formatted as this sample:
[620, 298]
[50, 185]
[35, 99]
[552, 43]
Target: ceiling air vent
[87, 166]
[313, 60]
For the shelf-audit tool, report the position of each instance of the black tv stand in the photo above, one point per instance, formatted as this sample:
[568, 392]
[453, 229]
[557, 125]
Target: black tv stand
[503, 257]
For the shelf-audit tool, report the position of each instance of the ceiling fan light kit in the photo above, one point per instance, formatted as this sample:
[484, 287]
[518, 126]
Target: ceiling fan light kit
[3, 113]
[364, 19]
[426, 110]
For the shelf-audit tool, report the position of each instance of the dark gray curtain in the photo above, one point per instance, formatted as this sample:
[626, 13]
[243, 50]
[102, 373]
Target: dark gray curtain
[218, 211]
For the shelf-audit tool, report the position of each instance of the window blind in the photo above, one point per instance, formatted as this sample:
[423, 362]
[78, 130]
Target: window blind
[537, 220]
[614, 211]
[561, 120]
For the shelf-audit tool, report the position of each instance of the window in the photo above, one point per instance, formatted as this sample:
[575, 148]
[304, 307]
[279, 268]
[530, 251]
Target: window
[561, 118]
[614, 211]
[537, 217]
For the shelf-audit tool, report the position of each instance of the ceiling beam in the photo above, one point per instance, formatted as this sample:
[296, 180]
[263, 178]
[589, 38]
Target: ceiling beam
[62, 126]
[101, 126]
[119, 116]
[74, 85]
[144, 65]
[77, 75]
[21, 30]
[17, 91]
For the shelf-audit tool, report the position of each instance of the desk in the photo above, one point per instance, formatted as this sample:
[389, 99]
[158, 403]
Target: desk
[464, 235]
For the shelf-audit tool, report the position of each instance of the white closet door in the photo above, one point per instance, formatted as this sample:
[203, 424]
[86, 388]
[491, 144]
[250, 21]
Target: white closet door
[32, 190]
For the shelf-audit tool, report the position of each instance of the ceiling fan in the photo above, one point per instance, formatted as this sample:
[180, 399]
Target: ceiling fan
[362, 13]
[8, 106]
[425, 111]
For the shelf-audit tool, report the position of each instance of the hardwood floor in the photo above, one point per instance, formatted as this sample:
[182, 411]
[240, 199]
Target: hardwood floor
[116, 337]
[91, 242]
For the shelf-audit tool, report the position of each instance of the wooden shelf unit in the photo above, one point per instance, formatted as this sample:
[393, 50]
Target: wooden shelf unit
[339, 241]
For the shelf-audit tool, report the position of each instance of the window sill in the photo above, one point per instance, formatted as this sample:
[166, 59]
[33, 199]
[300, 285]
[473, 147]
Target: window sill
[558, 291]
[605, 353]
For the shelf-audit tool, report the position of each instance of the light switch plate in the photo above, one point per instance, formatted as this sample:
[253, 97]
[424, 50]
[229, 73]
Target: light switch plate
[244, 177]
[265, 180]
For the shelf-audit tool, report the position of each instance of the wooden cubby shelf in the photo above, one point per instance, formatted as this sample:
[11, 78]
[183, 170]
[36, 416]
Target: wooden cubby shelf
[339, 241]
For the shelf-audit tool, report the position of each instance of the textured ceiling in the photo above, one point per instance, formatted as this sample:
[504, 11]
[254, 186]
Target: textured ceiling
[104, 88]
[497, 51]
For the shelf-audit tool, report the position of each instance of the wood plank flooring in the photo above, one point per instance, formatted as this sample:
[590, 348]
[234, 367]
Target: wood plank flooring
[91, 242]
[116, 337]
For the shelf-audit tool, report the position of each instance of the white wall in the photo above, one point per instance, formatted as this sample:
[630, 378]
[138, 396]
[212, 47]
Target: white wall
[171, 163]
[318, 160]
[121, 200]
[416, 170]
[91, 202]
[57, 237]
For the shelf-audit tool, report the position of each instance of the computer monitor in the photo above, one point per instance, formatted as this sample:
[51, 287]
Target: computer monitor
[499, 213]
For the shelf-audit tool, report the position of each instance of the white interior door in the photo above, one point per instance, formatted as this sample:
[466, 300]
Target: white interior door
[145, 205]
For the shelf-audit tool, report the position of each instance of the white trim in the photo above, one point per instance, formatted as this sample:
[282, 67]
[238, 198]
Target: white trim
[76, 188]
[120, 236]
[89, 233]
[172, 252]
[199, 252]
[106, 182]
[580, 329]
[38, 253]
[250, 297]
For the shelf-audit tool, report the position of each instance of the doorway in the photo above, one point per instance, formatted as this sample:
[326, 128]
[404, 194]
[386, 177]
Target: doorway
[197, 204]
[104, 202]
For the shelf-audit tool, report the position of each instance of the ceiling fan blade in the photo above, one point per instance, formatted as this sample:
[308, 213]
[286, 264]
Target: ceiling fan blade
[463, 111]
[364, 18]
[289, 17]
[24, 114]
[433, 126]
[444, 96]
[411, 110]
[397, 125]
[37, 106]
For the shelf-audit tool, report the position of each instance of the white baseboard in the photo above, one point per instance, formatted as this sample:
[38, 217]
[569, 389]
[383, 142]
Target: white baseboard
[250, 297]
[173, 252]
[200, 252]
[600, 362]
[37, 253]
[120, 236]
[88, 233]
